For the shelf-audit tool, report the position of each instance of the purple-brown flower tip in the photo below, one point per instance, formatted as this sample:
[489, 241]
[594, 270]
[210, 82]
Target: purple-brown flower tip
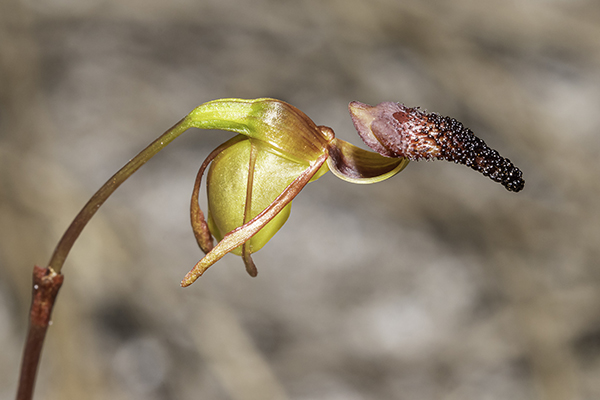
[394, 130]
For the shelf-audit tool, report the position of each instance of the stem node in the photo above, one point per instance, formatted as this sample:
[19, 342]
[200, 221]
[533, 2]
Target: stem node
[45, 287]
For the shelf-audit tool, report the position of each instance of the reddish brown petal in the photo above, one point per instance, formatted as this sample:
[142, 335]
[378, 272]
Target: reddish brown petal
[199, 225]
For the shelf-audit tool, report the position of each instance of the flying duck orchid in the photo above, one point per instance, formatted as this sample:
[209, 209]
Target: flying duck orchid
[254, 176]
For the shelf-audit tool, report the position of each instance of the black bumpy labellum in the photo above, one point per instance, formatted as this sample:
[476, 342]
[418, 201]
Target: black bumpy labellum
[458, 144]
[394, 130]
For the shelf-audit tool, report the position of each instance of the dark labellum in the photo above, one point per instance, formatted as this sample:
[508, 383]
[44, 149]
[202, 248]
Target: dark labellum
[394, 130]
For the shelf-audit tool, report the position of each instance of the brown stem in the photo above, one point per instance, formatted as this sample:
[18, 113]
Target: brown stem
[46, 284]
[47, 281]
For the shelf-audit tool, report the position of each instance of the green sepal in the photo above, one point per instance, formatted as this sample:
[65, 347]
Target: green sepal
[279, 124]
[227, 187]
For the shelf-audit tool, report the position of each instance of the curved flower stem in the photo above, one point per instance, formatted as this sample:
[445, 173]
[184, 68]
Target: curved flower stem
[47, 281]
[87, 212]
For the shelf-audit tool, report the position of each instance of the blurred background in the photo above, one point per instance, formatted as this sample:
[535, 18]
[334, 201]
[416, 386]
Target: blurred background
[436, 284]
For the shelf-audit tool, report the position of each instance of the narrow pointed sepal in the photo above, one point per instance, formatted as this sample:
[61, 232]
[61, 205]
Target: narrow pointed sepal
[200, 227]
[248, 262]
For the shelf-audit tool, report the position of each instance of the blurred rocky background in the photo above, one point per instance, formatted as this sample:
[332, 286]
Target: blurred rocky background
[436, 284]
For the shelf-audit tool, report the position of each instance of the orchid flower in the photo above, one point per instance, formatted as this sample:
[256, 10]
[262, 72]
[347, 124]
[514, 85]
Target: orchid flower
[254, 176]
